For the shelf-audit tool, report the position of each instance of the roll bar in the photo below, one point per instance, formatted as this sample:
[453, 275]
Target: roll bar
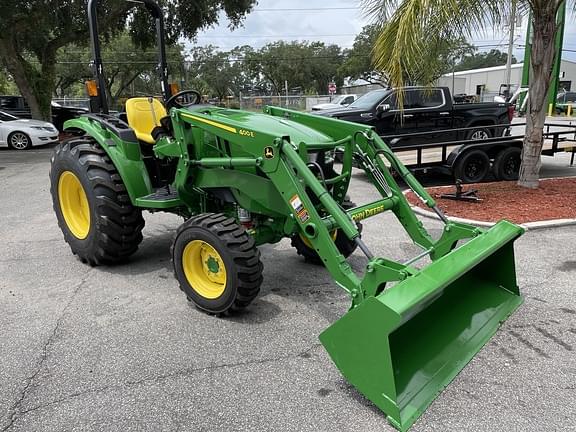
[97, 65]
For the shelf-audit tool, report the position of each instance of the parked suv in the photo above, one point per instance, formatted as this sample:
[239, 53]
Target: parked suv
[337, 102]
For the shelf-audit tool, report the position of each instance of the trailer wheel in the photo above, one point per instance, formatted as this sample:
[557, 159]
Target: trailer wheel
[472, 167]
[216, 263]
[507, 164]
[344, 244]
[91, 204]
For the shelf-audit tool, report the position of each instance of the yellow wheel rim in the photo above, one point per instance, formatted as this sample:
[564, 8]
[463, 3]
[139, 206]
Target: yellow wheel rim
[74, 204]
[204, 269]
[307, 242]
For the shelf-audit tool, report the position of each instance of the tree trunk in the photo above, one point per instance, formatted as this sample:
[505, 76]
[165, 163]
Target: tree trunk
[541, 65]
[36, 87]
[16, 68]
[123, 86]
[44, 86]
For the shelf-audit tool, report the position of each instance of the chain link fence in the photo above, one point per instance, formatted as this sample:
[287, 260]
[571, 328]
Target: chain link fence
[298, 103]
[73, 102]
[256, 103]
[250, 103]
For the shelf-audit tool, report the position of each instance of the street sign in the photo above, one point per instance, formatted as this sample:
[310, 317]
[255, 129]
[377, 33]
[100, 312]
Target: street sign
[332, 88]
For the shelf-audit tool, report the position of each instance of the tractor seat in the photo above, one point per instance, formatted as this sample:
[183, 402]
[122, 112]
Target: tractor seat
[143, 115]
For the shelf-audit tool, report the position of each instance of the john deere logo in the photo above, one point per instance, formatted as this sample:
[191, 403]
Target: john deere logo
[269, 153]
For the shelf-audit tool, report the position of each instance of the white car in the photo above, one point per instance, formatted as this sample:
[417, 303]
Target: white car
[338, 102]
[21, 134]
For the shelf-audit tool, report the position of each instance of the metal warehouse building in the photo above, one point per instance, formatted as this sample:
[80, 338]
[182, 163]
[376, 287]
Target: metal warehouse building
[486, 82]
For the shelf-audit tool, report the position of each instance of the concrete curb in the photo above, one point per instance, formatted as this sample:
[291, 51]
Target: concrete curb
[527, 226]
[552, 223]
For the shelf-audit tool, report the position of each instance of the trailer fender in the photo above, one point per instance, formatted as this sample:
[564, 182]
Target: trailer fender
[456, 154]
[121, 145]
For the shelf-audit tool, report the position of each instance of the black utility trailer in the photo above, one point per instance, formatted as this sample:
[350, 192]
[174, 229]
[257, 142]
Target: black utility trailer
[473, 161]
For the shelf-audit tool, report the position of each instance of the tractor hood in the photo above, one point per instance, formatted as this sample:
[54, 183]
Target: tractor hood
[254, 121]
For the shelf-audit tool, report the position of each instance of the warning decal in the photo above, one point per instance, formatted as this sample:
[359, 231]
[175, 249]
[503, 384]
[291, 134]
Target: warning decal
[299, 209]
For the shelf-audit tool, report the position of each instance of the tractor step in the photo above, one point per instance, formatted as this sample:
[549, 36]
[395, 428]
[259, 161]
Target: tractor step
[161, 198]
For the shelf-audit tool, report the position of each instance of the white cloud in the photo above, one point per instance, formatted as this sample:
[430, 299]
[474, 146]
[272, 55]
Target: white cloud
[337, 26]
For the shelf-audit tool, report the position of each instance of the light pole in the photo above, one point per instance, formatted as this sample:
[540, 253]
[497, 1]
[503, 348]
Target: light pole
[510, 49]
[561, 18]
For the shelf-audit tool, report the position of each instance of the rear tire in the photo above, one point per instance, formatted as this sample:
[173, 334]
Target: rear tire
[343, 243]
[216, 263]
[102, 226]
[472, 167]
[507, 164]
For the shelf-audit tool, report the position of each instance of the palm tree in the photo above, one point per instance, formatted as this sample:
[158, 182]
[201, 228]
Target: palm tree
[410, 26]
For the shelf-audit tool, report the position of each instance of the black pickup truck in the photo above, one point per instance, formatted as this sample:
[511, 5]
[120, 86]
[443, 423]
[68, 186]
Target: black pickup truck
[466, 140]
[425, 110]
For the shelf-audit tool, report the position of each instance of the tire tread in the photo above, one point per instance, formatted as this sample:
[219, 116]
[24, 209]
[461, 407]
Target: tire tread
[242, 249]
[119, 224]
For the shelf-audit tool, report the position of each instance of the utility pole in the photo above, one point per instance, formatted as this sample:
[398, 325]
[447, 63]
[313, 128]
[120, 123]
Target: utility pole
[510, 49]
[453, 74]
[526, 66]
[559, 42]
[561, 18]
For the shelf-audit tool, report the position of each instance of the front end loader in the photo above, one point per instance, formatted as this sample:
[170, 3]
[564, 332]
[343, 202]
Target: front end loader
[242, 179]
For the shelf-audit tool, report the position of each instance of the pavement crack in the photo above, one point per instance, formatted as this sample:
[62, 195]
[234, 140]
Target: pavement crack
[33, 259]
[16, 408]
[160, 378]
[190, 371]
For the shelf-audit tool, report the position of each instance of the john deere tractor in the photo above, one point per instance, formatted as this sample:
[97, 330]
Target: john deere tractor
[242, 179]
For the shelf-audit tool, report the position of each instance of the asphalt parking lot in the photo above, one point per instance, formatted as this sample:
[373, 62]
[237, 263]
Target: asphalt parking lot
[120, 349]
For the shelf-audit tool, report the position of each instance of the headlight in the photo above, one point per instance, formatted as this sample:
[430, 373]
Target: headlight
[37, 127]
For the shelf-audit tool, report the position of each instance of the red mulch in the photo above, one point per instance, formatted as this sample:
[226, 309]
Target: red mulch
[554, 199]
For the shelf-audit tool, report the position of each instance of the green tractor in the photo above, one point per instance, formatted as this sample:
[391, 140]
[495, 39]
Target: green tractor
[242, 179]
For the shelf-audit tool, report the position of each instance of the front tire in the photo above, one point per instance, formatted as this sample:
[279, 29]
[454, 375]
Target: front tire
[19, 141]
[216, 263]
[91, 203]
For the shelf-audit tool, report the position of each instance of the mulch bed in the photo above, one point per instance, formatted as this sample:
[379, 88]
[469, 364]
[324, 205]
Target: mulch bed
[554, 199]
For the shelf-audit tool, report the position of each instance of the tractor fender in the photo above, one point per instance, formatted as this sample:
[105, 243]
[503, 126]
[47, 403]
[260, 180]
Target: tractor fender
[124, 153]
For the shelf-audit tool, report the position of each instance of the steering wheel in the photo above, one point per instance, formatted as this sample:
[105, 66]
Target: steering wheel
[181, 99]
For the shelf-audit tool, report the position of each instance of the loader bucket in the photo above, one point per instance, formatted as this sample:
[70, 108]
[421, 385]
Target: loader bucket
[403, 347]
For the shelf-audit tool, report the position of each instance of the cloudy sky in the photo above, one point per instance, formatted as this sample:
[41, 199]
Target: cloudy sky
[336, 21]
